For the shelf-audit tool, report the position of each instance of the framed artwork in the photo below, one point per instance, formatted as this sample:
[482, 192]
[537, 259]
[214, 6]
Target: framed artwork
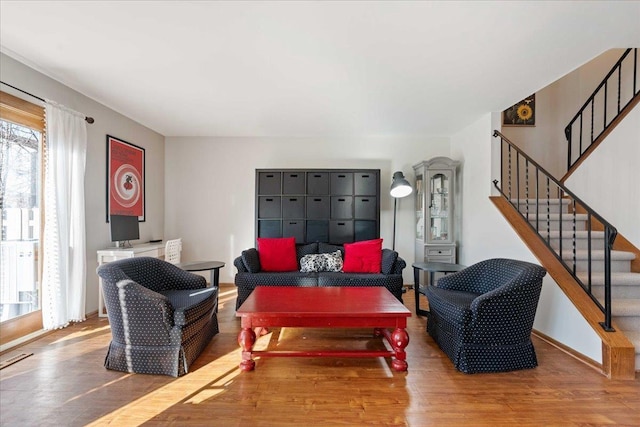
[125, 179]
[521, 114]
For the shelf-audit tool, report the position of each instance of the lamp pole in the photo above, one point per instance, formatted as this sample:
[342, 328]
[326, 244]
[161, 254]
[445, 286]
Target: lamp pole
[395, 212]
[400, 187]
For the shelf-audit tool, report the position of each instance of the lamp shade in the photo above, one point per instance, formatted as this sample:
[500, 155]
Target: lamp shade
[400, 187]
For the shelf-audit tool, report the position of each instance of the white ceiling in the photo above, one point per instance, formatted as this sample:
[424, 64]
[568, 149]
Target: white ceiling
[311, 68]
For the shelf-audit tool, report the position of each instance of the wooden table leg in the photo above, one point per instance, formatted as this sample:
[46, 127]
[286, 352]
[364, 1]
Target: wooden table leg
[246, 339]
[399, 341]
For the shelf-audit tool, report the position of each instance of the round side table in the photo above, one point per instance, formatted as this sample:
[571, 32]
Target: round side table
[432, 268]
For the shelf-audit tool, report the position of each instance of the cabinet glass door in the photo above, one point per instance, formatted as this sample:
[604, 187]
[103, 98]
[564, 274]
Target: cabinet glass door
[419, 208]
[439, 207]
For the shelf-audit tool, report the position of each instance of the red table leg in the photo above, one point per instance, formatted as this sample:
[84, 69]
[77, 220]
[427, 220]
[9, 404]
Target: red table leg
[399, 341]
[246, 339]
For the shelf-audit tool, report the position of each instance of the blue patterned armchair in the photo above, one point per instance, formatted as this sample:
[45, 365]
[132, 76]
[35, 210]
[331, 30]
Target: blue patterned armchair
[161, 316]
[482, 316]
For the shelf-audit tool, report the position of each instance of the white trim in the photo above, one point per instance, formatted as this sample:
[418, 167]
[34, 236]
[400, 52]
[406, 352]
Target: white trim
[22, 340]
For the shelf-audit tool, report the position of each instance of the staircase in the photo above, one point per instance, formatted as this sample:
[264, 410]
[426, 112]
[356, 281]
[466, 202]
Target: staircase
[625, 284]
[563, 232]
[560, 230]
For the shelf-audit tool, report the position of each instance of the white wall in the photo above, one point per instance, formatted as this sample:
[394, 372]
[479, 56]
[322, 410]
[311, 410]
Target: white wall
[608, 180]
[210, 184]
[556, 105]
[486, 234]
[109, 122]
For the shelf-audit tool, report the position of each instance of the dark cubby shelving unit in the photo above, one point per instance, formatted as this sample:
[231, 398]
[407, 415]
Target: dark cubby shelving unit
[318, 205]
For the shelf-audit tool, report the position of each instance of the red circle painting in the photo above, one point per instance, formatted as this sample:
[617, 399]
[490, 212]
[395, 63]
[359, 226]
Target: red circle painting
[127, 183]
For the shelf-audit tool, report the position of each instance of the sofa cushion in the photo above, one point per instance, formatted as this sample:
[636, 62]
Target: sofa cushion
[363, 257]
[191, 304]
[321, 262]
[389, 259]
[302, 250]
[251, 260]
[277, 254]
[455, 305]
[326, 248]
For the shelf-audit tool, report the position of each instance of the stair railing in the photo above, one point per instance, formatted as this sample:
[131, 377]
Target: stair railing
[525, 184]
[595, 116]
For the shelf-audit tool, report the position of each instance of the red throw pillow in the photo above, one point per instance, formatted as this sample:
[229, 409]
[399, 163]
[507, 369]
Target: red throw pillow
[277, 254]
[363, 257]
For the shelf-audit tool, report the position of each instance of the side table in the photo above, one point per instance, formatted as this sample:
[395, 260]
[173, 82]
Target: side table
[214, 266]
[432, 268]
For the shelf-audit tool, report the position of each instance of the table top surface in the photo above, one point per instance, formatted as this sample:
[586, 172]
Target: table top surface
[438, 266]
[273, 301]
[200, 265]
[139, 247]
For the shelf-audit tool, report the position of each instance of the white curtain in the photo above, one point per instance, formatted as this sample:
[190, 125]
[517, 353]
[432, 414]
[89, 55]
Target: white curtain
[64, 264]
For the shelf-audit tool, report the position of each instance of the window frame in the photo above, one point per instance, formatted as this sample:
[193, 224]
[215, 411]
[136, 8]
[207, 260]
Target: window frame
[25, 113]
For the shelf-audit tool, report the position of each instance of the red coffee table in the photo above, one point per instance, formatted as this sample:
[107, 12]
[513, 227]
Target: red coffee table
[325, 307]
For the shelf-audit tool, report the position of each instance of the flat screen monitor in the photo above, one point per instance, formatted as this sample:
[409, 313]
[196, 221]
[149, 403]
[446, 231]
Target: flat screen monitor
[124, 228]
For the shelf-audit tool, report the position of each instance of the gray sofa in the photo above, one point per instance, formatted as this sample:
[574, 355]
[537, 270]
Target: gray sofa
[250, 275]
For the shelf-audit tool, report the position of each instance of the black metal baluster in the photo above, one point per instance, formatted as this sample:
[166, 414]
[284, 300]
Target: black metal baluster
[509, 157]
[606, 98]
[537, 200]
[635, 70]
[518, 179]
[526, 186]
[592, 120]
[581, 131]
[589, 250]
[608, 242]
[548, 216]
[560, 226]
[619, 85]
[575, 258]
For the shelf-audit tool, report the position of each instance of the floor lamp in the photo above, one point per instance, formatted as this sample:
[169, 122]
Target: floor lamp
[400, 187]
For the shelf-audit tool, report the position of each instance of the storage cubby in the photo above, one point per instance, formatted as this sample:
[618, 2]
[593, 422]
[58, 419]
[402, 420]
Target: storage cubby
[318, 205]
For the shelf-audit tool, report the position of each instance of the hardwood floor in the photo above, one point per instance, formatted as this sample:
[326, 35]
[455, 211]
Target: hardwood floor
[64, 384]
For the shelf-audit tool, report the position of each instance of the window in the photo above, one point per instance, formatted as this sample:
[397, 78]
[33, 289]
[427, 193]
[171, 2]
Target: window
[21, 154]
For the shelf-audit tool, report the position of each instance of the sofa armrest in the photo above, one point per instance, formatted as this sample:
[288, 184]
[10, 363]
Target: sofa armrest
[251, 260]
[240, 265]
[399, 265]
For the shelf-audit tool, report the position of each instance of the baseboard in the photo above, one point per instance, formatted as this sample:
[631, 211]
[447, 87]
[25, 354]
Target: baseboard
[12, 345]
[568, 350]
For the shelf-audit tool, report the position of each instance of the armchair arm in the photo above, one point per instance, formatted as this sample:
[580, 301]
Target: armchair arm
[145, 317]
[464, 280]
[507, 311]
[475, 279]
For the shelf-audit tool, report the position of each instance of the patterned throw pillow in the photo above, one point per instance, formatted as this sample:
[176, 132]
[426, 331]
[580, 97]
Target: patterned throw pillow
[321, 262]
